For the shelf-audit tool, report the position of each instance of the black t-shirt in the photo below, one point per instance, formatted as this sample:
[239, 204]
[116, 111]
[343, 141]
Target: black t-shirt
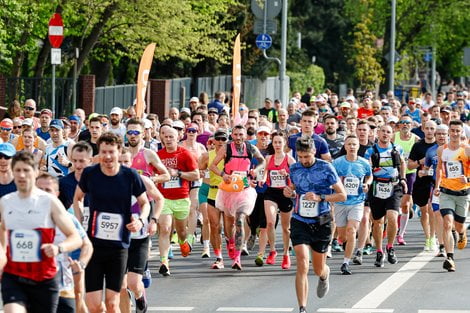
[418, 151]
[334, 145]
[7, 188]
[67, 186]
[110, 204]
[84, 135]
[418, 132]
[94, 147]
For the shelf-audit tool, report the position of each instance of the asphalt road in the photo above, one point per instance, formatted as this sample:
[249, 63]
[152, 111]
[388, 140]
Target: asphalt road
[416, 284]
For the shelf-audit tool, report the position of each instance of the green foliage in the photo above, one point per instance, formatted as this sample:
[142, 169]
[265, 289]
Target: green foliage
[311, 75]
[364, 53]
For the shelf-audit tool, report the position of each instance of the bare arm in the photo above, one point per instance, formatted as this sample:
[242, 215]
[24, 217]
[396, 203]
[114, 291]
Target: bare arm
[153, 159]
[326, 157]
[78, 198]
[155, 194]
[259, 157]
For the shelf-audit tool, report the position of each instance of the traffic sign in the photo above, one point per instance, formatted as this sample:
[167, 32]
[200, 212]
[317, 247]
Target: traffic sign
[427, 57]
[56, 56]
[56, 30]
[271, 27]
[273, 8]
[264, 41]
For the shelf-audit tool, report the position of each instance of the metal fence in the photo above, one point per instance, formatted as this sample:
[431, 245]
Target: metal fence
[114, 96]
[40, 89]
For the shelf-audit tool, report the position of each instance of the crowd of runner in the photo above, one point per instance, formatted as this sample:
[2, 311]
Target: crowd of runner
[81, 197]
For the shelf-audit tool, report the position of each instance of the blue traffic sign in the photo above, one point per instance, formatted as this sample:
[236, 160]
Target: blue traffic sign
[264, 41]
[427, 57]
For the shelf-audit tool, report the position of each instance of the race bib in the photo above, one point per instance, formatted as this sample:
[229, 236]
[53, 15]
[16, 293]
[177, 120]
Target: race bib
[351, 184]
[25, 245]
[175, 182]
[239, 173]
[142, 233]
[434, 199]
[431, 172]
[454, 169]
[383, 190]
[260, 175]
[109, 226]
[277, 180]
[86, 217]
[308, 208]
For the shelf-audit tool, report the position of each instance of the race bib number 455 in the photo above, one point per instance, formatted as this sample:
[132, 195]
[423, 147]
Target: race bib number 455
[25, 245]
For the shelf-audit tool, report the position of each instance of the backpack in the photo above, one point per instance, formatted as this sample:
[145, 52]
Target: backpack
[249, 152]
[395, 155]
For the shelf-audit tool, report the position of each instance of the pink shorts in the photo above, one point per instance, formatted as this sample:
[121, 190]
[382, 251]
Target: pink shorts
[236, 202]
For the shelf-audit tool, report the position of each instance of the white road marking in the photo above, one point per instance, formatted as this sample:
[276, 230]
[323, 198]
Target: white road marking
[443, 311]
[170, 308]
[253, 309]
[391, 284]
[334, 310]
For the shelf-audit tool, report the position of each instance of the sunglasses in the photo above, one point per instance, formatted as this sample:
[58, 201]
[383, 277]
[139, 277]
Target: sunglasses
[263, 133]
[29, 108]
[133, 132]
[105, 124]
[191, 130]
[6, 157]
[178, 128]
[404, 122]
[16, 127]
[323, 110]
[220, 138]
[5, 129]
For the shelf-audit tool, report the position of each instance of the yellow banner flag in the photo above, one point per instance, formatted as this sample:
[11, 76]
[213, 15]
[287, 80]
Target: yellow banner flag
[143, 77]
[236, 81]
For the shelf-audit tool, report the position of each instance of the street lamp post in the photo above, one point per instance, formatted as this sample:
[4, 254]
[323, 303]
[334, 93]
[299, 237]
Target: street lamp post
[391, 74]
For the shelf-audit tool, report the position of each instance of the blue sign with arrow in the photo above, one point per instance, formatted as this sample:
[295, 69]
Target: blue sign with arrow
[264, 41]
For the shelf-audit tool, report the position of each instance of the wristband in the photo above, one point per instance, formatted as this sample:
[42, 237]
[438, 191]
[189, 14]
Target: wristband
[154, 219]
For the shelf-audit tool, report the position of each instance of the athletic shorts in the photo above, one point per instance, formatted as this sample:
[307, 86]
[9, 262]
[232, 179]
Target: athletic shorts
[138, 255]
[211, 202]
[106, 263]
[456, 204]
[66, 305]
[203, 192]
[275, 195]
[421, 194]
[346, 212]
[410, 180]
[314, 235]
[35, 296]
[178, 208]
[379, 207]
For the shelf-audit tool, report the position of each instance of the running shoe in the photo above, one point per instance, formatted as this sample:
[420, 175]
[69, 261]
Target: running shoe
[141, 304]
[271, 259]
[185, 249]
[380, 259]
[174, 238]
[259, 261]
[147, 278]
[170, 253]
[368, 249]
[164, 269]
[442, 251]
[345, 269]
[206, 253]
[401, 241]
[323, 284]
[190, 239]
[251, 242]
[245, 250]
[427, 245]
[218, 264]
[285, 265]
[391, 257]
[434, 245]
[237, 264]
[302, 310]
[358, 258]
[335, 246]
[449, 265]
[462, 242]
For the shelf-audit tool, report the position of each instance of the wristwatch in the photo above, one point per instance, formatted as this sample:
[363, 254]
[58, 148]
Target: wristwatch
[82, 264]
[60, 248]
[179, 173]
[322, 197]
[154, 219]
